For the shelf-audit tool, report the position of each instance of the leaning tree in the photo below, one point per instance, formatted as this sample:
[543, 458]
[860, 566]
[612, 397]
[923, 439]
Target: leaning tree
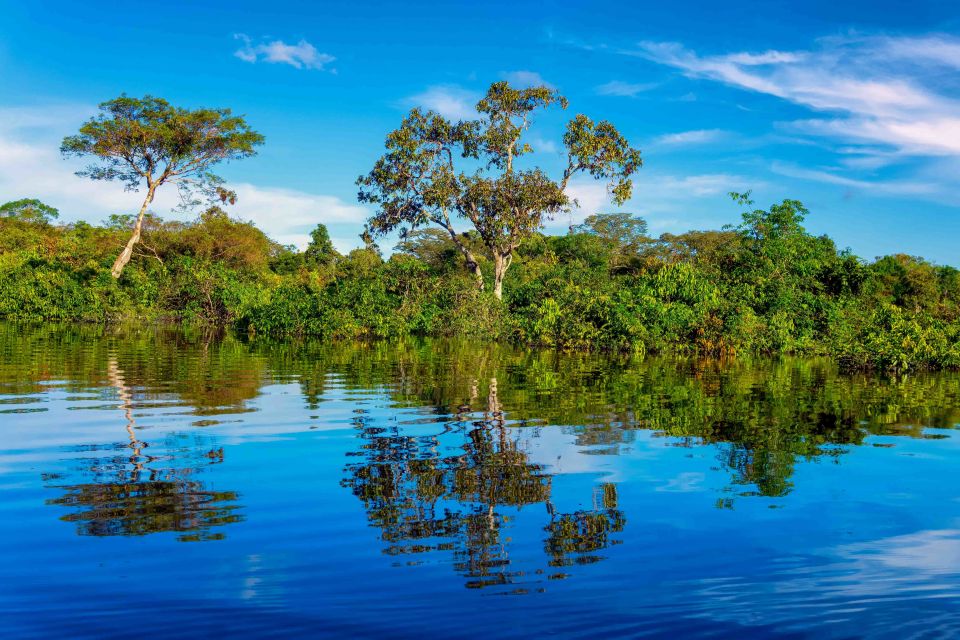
[148, 142]
[436, 171]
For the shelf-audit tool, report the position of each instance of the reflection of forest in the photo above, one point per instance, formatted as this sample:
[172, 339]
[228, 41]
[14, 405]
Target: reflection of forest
[137, 493]
[760, 417]
[425, 500]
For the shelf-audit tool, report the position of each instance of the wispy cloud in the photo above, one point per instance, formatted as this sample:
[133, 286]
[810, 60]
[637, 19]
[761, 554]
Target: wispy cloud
[667, 201]
[696, 186]
[894, 187]
[879, 90]
[450, 101]
[686, 138]
[301, 55]
[624, 89]
[525, 79]
[592, 196]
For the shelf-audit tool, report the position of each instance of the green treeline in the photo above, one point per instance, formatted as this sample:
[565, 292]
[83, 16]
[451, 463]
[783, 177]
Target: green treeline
[766, 286]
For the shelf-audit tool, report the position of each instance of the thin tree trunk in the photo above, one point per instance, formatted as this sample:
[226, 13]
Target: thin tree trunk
[127, 252]
[472, 265]
[500, 265]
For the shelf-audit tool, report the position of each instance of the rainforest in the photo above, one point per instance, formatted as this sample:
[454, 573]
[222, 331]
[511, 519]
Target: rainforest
[763, 286]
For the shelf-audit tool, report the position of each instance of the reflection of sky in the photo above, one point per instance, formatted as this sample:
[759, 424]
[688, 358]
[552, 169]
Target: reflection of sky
[868, 543]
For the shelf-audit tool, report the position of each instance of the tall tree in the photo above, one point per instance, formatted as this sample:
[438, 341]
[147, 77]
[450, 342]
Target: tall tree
[147, 141]
[435, 170]
[321, 249]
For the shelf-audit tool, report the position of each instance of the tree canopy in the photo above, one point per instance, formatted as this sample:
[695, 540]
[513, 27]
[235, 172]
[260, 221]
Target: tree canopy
[436, 171]
[28, 210]
[147, 141]
[320, 251]
[618, 229]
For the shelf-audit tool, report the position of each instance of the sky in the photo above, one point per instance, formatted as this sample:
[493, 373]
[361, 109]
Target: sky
[852, 107]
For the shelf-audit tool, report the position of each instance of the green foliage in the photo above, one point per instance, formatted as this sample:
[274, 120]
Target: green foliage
[320, 251]
[893, 339]
[435, 171]
[146, 141]
[766, 287]
[137, 140]
[616, 229]
[28, 210]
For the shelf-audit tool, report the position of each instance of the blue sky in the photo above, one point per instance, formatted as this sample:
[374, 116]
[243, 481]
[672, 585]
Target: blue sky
[852, 107]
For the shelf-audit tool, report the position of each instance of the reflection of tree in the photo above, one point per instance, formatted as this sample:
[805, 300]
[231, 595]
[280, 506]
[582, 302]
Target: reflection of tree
[208, 371]
[134, 494]
[575, 538]
[138, 508]
[761, 419]
[423, 500]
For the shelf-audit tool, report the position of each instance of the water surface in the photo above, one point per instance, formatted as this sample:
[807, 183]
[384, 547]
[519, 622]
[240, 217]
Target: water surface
[159, 482]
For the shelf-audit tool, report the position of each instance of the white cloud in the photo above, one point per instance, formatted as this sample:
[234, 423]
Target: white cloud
[894, 187]
[526, 79]
[879, 90]
[542, 145]
[666, 201]
[592, 196]
[767, 57]
[450, 101]
[623, 89]
[662, 187]
[288, 215]
[31, 167]
[697, 136]
[25, 119]
[935, 50]
[301, 55]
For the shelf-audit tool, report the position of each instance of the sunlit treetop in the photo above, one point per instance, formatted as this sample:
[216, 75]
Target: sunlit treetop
[435, 170]
[134, 140]
[28, 210]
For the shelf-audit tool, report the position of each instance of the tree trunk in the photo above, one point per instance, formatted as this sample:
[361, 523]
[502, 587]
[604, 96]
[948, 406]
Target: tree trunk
[127, 252]
[501, 262]
[472, 265]
[475, 268]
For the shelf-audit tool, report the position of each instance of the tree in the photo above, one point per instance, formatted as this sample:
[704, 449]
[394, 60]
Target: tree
[623, 235]
[435, 170]
[621, 230]
[147, 141]
[320, 251]
[781, 221]
[430, 245]
[29, 210]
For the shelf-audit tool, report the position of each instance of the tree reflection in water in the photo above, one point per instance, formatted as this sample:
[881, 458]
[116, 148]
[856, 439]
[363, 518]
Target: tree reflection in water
[424, 500]
[456, 490]
[137, 493]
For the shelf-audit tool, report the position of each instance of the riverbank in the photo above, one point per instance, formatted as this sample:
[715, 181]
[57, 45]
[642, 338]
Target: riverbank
[709, 293]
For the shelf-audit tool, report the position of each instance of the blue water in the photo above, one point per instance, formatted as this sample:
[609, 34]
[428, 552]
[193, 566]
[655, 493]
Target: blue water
[167, 485]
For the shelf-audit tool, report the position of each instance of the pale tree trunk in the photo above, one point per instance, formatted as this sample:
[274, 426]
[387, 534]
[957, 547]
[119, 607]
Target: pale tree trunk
[127, 252]
[501, 262]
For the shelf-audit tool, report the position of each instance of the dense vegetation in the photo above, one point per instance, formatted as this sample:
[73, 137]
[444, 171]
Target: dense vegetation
[765, 286]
